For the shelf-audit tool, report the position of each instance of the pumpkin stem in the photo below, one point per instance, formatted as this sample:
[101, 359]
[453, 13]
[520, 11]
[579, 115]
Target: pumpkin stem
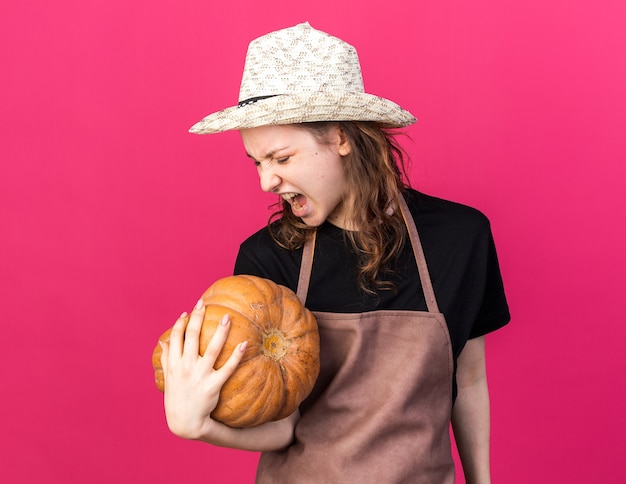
[275, 344]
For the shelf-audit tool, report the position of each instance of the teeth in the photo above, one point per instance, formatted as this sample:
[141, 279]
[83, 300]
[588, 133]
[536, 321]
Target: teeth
[291, 198]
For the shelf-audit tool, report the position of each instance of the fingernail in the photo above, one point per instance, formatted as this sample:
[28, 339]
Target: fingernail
[243, 346]
[200, 304]
[225, 320]
[184, 315]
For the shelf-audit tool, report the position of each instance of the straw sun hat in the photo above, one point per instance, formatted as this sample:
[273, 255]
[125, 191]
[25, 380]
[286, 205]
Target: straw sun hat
[298, 75]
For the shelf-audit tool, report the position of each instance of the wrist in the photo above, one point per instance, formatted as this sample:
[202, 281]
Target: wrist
[198, 430]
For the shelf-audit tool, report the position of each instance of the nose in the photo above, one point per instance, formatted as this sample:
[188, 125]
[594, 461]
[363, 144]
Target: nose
[270, 181]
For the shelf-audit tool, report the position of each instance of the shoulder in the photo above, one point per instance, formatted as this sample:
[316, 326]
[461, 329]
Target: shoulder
[463, 265]
[261, 256]
[448, 217]
[259, 239]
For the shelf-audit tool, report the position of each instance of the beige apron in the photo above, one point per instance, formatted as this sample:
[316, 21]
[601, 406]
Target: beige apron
[380, 410]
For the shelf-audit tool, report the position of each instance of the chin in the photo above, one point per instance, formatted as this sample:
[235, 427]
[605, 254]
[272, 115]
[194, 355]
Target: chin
[312, 222]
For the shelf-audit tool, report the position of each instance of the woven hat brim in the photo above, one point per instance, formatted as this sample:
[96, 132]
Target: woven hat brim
[292, 109]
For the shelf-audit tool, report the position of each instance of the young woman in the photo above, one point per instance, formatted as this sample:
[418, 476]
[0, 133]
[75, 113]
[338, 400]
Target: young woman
[404, 286]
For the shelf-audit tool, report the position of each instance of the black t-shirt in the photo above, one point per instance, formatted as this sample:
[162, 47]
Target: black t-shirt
[460, 255]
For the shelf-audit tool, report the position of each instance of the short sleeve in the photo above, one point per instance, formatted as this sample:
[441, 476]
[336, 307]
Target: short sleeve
[494, 310]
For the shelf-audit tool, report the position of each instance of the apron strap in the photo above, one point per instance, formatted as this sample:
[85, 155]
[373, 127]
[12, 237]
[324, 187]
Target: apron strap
[306, 267]
[418, 251]
[422, 269]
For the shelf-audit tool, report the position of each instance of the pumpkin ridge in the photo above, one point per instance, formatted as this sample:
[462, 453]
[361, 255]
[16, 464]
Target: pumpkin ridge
[287, 394]
[235, 312]
[253, 286]
[297, 340]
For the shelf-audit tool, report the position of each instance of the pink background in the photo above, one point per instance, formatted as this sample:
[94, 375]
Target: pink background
[113, 219]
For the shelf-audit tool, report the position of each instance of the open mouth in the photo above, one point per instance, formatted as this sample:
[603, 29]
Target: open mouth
[296, 200]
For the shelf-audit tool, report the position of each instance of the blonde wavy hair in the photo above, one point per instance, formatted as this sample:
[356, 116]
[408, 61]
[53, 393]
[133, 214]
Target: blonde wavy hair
[375, 173]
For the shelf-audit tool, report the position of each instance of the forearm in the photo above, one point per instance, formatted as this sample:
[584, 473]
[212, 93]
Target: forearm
[470, 422]
[267, 437]
[471, 415]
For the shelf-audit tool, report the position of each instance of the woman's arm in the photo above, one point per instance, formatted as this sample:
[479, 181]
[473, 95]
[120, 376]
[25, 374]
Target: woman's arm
[470, 415]
[192, 389]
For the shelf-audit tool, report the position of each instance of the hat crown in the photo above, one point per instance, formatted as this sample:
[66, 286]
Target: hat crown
[302, 75]
[300, 60]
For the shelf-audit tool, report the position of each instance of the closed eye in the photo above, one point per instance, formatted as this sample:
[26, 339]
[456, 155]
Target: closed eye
[283, 160]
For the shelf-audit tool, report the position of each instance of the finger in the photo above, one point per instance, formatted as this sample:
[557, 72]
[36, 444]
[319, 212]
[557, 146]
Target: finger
[216, 344]
[177, 335]
[165, 351]
[231, 364]
[192, 332]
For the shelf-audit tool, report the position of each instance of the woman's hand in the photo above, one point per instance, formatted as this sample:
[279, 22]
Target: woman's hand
[192, 385]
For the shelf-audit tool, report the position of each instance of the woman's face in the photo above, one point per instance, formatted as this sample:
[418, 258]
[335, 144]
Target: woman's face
[294, 163]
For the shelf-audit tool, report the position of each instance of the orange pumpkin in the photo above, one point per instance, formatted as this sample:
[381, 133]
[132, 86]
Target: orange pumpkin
[280, 365]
